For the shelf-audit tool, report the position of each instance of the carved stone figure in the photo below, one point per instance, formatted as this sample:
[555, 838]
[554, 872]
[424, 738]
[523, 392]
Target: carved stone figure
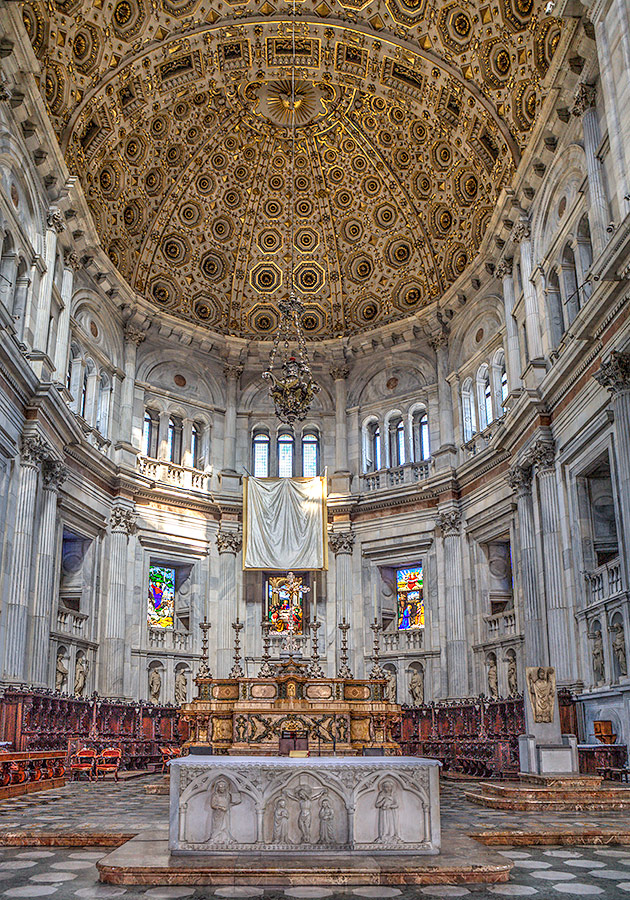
[598, 657]
[416, 687]
[222, 798]
[619, 648]
[80, 675]
[304, 796]
[387, 805]
[181, 687]
[512, 675]
[326, 819]
[493, 679]
[61, 672]
[391, 688]
[541, 684]
[155, 685]
[280, 822]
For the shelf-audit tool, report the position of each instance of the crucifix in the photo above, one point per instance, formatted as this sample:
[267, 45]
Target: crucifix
[286, 608]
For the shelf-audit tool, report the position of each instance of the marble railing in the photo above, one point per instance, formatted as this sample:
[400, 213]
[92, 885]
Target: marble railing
[164, 639]
[71, 622]
[481, 439]
[183, 477]
[501, 624]
[403, 641]
[605, 581]
[398, 475]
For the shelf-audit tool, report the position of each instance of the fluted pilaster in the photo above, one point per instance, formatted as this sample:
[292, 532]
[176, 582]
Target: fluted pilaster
[229, 544]
[449, 523]
[598, 211]
[339, 375]
[521, 235]
[504, 271]
[122, 527]
[232, 375]
[342, 545]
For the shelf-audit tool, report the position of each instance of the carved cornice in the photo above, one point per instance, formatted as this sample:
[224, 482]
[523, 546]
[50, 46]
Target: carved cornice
[54, 474]
[504, 269]
[521, 232]
[614, 374]
[33, 451]
[134, 335]
[543, 455]
[341, 541]
[449, 523]
[229, 541]
[585, 98]
[234, 372]
[123, 521]
[520, 479]
[55, 220]
[339, 373]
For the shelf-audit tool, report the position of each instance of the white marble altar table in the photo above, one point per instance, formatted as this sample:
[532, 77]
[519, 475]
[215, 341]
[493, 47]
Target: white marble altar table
[254, 803]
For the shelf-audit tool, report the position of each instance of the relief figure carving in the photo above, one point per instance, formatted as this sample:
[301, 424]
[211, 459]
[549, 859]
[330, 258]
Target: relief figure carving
[387, 805]
[222, 798]
[541, 683]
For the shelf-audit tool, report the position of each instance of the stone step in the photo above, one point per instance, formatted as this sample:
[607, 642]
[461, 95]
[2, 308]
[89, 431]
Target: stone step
[531, 792]
[587, 800]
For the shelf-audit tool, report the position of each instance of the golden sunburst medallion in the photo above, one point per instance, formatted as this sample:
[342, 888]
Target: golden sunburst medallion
[286, 106]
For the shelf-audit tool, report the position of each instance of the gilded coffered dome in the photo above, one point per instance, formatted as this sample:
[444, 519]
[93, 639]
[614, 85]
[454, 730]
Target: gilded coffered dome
[176, 117]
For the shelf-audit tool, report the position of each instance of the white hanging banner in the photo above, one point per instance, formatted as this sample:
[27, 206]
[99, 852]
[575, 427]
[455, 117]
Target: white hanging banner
[285, 524]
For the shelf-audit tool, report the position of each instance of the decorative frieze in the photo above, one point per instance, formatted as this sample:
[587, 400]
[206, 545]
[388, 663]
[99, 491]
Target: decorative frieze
[229, 541]
[341, 542]
[614, 374]
[123, 521]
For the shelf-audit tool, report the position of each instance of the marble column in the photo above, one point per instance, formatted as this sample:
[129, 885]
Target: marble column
[521, 235]
[342, 545]
[536, 649]
[32, 451]
[614, 374]
[162, 442]
[229, 544]
[598, 211]
[54, 473]
[122, 526]
[232, 375]
[187, 457]
[133, 339]
[447, 447]
[512, 350]
[71, 265]
[561, 648]
[339, 375]
[449, 523]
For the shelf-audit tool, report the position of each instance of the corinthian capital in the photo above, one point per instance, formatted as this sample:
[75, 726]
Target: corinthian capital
[123, 521]
[614, 374]
[229, 541]
[521, 231]
[55, 220]
[543, 454]
[134, 335]
[341, 542]
[234, 372]
[504, 269]
[32, 450]
[54, 474]
[339, 373]
[584, 99]
[449, 522]
[439, 340]
[71, 260]
[520, 479]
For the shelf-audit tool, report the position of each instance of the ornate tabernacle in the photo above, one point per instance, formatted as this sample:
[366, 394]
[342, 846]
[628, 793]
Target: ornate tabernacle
[342, 715]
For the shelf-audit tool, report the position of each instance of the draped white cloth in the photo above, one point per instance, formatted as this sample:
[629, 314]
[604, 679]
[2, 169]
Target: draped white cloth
[285, 522]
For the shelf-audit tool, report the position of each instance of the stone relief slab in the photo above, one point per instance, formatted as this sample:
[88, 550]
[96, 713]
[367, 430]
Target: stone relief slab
[346, 804]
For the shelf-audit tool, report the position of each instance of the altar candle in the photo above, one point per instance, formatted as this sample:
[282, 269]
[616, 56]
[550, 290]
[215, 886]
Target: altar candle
[375, 585]
[314, 597]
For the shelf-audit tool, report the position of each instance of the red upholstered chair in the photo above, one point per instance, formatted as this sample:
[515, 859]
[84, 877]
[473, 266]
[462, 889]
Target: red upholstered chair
[109, 761]
[168, 753]
[82, 763]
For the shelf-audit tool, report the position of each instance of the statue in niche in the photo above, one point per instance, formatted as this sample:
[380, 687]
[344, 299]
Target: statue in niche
[493, 679]
[512, 675]
[304, 796]
[61, 671]
[598, 657]
[541, 683]
[155, 685]
[181, 687]
[387, 805]
[280, 822]
[222, 799]
[619, 648]
[391, 688]
[80, 675]
[326, 819]
[416, 687]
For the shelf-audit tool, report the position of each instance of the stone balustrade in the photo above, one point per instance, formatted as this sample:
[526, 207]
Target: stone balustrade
[184, 477]
[398, 475]
[164, 639]
[502, 624]
[605, 581]
[401, 642]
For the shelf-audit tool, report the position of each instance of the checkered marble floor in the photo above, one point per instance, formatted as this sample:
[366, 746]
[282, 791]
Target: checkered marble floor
[543, 873]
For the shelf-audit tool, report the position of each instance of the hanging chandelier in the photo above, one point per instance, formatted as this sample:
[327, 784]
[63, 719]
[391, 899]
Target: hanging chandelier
[293, 391]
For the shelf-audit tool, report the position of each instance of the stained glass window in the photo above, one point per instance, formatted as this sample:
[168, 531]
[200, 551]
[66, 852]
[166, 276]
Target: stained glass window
[161, 600]
[310, 448]
[285, 455]
[285, 603]
[261, 455]
[410, 598]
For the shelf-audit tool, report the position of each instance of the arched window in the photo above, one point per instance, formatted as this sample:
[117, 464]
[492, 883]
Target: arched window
[420, 428]
[371, 447]
[310, 454]
[261, 454]
[150, 433]
[400, 443]
[396, 434]
[195, 445]
[484, 397]
[286, 449]
[174, 440]
[468, 408]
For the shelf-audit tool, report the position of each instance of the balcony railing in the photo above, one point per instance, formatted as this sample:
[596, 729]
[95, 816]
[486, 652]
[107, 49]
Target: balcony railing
[388, 478]
[164, 639]
[502, 624]
[71, 622]
[605, 581]
[183, 477]
[403, 641]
